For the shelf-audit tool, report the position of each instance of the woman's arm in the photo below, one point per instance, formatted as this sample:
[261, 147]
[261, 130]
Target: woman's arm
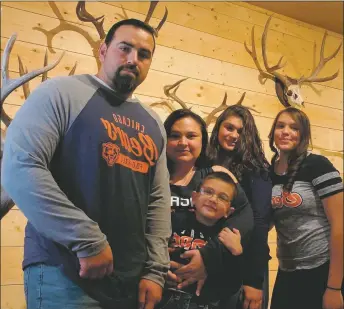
[333, 206]
[258, 190]
[256, 257]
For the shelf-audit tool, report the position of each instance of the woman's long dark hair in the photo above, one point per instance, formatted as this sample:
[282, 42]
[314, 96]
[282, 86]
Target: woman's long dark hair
[186, 113]
[300, 152]
[248, 154]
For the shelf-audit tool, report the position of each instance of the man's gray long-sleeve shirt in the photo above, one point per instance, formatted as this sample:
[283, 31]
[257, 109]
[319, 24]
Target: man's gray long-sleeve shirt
[88, 168]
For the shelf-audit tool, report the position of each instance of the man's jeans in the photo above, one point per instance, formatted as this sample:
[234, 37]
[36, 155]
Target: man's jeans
[47, 288]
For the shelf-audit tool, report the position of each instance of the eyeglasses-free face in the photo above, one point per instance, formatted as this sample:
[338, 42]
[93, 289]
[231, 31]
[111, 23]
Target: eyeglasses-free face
[213, 201]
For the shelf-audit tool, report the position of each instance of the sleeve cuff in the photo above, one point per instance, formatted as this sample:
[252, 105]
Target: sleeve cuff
[93, 249]
[160, 280]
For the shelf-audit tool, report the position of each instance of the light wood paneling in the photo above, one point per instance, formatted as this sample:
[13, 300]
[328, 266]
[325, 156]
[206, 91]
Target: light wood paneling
[12, 229]
[198, 66]
[11, 270]
[12, 297]
[202, 41]
[196, 41]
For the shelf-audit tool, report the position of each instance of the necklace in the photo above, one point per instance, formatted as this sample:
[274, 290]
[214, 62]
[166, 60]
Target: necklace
[280, 174]
[186, 179]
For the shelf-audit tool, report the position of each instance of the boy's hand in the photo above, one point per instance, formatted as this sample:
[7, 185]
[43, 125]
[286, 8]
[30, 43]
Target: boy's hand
[232, 240]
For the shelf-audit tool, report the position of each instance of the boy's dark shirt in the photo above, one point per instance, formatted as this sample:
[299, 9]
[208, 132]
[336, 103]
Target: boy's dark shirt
[218, 261]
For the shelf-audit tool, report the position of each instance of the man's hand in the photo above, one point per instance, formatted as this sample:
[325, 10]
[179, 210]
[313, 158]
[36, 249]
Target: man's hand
[333, 299]
[149, 294]
[193, 271]
[97, 266]
[253, 298]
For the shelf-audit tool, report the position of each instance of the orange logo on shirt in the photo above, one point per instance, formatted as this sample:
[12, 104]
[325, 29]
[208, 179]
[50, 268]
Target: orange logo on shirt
[288, 199]
[142, 146]
[187, 242]
[110, 153]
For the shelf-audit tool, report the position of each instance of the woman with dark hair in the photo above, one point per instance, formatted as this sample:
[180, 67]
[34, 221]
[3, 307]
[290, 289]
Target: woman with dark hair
[307, 203]
[235, 144]
[187, 140]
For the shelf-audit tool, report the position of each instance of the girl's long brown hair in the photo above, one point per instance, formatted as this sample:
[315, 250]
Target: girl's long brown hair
[248, 155]
[296, 156]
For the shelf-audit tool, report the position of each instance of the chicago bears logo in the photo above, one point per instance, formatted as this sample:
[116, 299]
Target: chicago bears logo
[110, 153]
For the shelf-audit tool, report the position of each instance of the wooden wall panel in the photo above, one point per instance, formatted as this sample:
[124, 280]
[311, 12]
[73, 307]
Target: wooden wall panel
[12, 229]
[226, 73]
[210, 44]
[202, 41]
[11, 259]
[12, 297]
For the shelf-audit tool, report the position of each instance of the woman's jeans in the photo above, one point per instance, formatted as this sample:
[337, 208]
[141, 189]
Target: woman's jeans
[46, 287]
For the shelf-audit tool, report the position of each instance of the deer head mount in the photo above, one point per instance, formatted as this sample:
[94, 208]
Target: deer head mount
[9, 85]
[288, 89]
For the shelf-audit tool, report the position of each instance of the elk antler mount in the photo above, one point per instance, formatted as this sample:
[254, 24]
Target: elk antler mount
[8, 86]
[288, 88]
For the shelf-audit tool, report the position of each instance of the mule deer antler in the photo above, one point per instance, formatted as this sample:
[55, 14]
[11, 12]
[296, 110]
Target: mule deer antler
[66, 25]
[223, 106]
[322, 61]
[152, 6]
[9, 85]
[270, 71]
[172, 96]
[83, 15]
[290, 86]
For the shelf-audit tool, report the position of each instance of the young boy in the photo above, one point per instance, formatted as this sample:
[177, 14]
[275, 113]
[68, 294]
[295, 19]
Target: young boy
[192, 230]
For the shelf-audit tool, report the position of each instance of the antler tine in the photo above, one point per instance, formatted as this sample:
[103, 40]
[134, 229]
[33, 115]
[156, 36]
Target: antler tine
[278, 66]
[83, 15]
[8, 85]
[45, 74]
[6, 59]
[253, 53]
[22, 72]
[321, 64]
[241, 99]
[72, 71]
[173, 95]
[220, 108]
[151, 9]
[157, 29]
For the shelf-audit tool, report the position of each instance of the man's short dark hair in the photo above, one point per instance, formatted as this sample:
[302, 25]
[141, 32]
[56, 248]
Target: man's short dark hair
[131, 22]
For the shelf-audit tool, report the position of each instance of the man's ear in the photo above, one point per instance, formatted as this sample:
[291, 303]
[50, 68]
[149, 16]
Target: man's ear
[102, 51]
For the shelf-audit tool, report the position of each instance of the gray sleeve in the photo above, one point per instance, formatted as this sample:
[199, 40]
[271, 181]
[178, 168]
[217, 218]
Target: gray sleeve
[30, 144]
[158, 224]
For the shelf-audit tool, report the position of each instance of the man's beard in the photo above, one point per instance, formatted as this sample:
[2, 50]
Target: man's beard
[126, 83]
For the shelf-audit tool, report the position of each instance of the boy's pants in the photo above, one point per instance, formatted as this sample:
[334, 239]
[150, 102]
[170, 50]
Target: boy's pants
[175, 299]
